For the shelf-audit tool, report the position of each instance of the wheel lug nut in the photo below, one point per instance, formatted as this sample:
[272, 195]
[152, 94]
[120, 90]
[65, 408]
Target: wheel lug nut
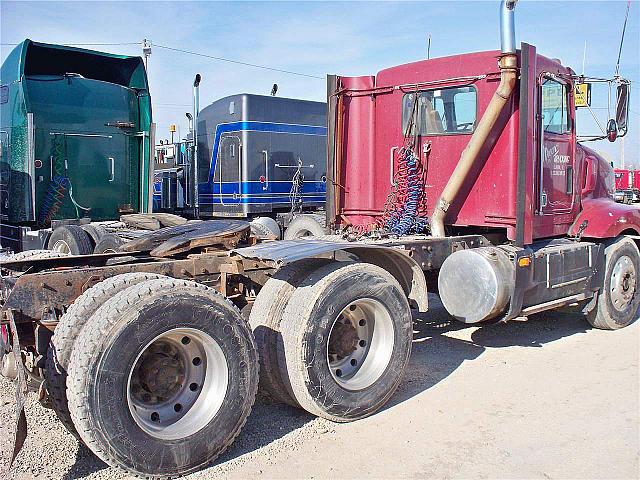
[362, 343]
[177, 407]
[362, 322]
[193, 387]
[338, 373]
[155, 417]
[196, 361]
[353, 362]
[185, 340]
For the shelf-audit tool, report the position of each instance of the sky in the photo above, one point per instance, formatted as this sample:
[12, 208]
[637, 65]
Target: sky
[317, 38]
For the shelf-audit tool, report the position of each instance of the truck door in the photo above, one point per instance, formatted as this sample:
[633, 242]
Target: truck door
[228, 169]
[99, 169]
[556, 170]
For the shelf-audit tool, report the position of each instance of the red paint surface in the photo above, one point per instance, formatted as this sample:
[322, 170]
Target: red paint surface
[604, 218]
[623, 179]
[372, 127]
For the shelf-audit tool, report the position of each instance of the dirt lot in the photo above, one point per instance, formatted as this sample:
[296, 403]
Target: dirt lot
[549, 398]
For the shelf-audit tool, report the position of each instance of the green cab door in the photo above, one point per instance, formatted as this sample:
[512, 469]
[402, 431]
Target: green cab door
[102, 177]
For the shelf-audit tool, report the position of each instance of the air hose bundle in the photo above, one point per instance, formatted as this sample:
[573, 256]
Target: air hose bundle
[295, 194]
[58, 186]
[405, 210]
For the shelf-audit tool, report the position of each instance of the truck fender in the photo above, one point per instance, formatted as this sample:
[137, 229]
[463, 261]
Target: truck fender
[404, 269]
[603, 218]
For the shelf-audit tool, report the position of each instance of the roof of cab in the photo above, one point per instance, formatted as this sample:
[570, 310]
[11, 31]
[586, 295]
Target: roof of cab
[36, 58]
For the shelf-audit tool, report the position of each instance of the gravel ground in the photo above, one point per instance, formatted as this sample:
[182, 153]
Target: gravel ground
[548, 398]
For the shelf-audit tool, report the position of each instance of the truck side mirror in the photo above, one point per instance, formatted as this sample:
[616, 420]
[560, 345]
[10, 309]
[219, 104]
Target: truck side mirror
[622, 107]
[612, 130]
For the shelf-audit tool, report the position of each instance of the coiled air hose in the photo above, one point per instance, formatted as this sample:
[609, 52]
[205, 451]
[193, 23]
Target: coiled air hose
[404, 212]
[58, 186]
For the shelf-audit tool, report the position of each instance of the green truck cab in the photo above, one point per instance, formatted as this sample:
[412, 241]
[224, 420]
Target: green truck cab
[76, 136]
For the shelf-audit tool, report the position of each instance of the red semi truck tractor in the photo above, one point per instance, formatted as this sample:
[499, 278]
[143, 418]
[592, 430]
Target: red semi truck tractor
[624, 180]
[460, 175]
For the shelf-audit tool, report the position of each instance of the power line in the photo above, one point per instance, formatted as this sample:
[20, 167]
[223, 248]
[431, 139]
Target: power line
[80, 44]
[237, 62]
[188, 52]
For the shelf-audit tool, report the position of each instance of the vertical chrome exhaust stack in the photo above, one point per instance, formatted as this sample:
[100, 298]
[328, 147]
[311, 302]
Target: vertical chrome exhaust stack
[194, 162]
[507, 26]
[508, 64]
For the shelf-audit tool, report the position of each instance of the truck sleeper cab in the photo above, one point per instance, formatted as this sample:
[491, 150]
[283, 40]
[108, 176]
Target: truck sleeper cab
[75, 140]
[252, 152]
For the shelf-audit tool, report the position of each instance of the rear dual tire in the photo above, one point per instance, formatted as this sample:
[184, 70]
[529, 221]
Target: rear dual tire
[109, 243]
[347, 333]
[70, 240]
[141, 353]
[306, 225]
[265, 318]
[68, 329]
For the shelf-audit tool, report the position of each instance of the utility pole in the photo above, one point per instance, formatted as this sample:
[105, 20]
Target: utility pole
[146, 51]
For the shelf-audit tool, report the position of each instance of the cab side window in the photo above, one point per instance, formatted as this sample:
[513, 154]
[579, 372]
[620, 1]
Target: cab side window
[555, 111]
[446, 111]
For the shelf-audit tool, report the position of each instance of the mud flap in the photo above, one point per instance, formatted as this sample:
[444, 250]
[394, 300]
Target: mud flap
[21, 392]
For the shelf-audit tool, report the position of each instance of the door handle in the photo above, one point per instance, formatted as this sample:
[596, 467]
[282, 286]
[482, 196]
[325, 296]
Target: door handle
[266, 170]
[112, 165]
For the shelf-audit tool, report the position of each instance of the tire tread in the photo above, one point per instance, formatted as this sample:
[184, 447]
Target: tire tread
[90, 339]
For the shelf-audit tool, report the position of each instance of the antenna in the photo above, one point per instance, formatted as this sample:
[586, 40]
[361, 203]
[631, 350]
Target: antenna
[624, 27]
[429, 47]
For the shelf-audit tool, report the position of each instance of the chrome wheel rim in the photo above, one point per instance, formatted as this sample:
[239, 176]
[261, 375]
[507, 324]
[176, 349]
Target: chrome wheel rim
[62, 247]
[623, 283]
[360, 344]
[178, 383]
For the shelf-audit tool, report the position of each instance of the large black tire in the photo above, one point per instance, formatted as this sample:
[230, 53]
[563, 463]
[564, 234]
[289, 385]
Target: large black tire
[95, 232]
[306, 225]
[70, 239]
[101, 388]
[265, 317]
[618, 300]
[109, 243]
[66, 332]
[318, 328]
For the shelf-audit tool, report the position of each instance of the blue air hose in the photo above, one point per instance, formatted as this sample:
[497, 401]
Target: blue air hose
[404, 217]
